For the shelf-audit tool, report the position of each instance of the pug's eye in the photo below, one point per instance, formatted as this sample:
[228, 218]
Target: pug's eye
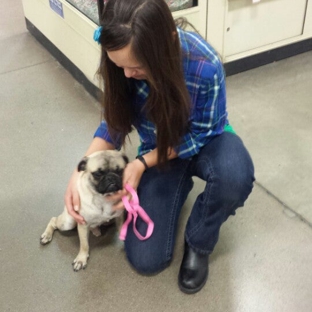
[97, 175]
[120, 171]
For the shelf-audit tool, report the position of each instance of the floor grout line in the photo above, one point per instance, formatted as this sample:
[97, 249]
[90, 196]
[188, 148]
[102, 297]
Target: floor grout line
[298, 215]
[25, 67]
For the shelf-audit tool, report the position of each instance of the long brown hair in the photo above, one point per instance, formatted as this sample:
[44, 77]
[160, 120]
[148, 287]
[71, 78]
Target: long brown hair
[150, 28]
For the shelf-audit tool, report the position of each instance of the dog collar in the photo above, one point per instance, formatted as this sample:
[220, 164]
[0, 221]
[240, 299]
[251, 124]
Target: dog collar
[135, 210]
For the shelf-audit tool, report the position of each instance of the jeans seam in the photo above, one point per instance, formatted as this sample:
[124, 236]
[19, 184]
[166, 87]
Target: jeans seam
[174, 215]
[206, 196]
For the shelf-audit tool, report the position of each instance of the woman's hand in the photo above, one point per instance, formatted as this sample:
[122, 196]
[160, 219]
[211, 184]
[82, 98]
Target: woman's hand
[72, 199]
[132, 176]
[133, 173]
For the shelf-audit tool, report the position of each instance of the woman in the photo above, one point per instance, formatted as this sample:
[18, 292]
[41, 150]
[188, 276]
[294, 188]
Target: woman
[169, 84]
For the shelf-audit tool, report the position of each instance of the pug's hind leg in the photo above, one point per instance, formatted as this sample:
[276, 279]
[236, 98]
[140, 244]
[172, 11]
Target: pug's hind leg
[81, 260]
[63, 222]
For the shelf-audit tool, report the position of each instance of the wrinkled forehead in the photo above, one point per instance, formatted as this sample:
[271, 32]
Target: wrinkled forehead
[106, 160]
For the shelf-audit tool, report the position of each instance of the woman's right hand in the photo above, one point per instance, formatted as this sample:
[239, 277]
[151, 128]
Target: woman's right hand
[72, 199]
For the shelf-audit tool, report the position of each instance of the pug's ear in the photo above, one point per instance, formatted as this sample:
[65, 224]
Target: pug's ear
[82, 164]
[126, 159]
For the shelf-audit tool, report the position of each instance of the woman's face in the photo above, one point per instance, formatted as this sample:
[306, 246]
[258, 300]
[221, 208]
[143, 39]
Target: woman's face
[125, 59]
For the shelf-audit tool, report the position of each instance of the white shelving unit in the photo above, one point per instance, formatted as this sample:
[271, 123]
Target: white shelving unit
[236, 28]
[72, 32]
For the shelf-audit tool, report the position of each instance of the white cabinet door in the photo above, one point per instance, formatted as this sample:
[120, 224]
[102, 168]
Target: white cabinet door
[250, 24]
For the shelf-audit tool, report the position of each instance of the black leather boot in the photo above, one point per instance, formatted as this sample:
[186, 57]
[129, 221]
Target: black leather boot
[193, 271]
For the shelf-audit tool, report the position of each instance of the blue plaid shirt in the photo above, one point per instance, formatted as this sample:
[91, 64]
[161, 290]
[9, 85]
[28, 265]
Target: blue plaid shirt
[205, 81]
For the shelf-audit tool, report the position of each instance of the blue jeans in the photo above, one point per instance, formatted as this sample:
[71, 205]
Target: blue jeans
[227, 168]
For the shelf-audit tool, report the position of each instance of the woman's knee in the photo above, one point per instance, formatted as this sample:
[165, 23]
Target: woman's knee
[231, 181]
[236, 184]
[225, 159]
[235, 172]
[147, 264]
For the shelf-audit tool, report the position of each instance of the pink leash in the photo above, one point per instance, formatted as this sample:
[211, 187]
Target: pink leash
[134, 210]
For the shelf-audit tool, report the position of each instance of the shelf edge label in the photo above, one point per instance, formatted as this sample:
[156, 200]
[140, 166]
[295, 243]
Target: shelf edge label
[57, 7]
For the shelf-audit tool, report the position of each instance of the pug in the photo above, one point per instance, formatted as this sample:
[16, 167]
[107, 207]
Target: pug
[100, 175]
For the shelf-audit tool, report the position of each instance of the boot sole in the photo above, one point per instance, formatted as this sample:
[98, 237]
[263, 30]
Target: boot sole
[191, 291]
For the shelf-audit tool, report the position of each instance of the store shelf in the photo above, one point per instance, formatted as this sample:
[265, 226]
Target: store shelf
[246, 34]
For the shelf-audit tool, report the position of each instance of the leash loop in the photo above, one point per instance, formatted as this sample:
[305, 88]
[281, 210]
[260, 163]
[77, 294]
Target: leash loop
[134, 211]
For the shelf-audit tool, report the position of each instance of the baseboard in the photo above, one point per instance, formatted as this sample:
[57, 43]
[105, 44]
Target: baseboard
[267, 57]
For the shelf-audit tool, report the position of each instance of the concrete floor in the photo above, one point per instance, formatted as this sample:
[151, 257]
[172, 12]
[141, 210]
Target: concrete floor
[263, 259]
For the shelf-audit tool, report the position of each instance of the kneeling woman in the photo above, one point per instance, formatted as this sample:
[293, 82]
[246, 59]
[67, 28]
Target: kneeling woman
[169, 84]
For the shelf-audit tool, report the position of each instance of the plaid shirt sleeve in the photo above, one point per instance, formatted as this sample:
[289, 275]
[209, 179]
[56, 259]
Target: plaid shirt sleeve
[103, 133]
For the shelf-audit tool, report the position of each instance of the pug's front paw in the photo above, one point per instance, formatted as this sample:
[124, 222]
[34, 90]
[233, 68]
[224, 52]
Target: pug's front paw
[45, 238]
[80, 262]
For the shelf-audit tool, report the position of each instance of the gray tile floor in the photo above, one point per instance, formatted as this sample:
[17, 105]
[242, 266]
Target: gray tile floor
[263, 259]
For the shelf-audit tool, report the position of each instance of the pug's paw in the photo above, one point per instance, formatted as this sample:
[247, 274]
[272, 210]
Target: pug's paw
[45, 238]
[80, 262]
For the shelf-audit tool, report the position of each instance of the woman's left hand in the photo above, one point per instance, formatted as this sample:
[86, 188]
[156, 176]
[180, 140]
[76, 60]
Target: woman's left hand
[132, 176]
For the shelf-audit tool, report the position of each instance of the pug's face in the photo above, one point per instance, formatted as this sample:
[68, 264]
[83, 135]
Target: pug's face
[104, 170]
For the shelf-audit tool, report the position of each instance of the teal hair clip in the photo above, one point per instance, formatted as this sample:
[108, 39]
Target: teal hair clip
[97, 34]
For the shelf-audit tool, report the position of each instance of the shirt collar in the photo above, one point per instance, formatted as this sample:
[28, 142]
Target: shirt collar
[142, 89]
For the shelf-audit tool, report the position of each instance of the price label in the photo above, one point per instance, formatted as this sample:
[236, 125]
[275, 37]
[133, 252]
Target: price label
[57, 7]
